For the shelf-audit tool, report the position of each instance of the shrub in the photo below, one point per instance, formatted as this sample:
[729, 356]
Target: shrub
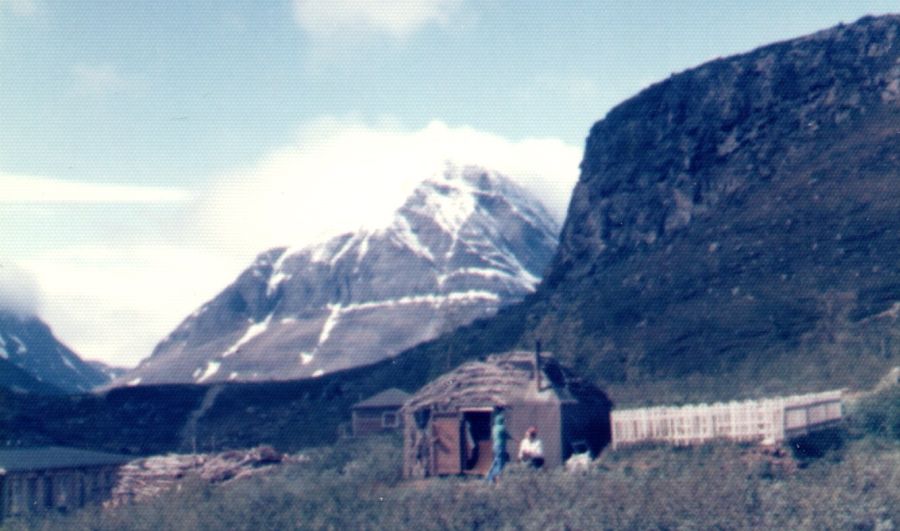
[878, 414]
[355, 485]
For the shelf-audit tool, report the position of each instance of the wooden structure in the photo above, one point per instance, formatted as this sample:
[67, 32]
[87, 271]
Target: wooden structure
[379, 413]
[768, 421]
[447, 424]
[40, 480]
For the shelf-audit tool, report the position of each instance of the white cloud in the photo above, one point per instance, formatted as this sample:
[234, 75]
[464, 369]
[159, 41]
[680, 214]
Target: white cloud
[36, 189]
[21, 8]
[342, 174]
[115, 303]
[101, 79]
[19, 292]
[347, 18]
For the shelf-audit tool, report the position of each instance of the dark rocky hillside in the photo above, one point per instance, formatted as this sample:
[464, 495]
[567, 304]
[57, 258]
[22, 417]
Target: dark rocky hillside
[741, 218]
[14, 378]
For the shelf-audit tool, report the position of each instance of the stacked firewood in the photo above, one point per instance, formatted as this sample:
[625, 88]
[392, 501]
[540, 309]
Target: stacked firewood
[148, 477]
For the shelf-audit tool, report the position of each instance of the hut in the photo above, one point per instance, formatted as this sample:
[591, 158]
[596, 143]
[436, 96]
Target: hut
[379, 413]
[447, 424]
[40, 480]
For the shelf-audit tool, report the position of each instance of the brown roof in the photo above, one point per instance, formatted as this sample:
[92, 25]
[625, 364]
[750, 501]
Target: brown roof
[392, 397]
[501, 379]
[51, 457]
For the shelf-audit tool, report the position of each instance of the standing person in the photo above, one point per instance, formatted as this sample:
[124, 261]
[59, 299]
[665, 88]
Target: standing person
[531, 449]
[499, 436]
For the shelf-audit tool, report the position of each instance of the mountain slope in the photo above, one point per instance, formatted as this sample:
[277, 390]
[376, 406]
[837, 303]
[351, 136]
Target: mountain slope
[28, 345]
[738, 222]
[733, 232]
[13, 378]
[460, 247]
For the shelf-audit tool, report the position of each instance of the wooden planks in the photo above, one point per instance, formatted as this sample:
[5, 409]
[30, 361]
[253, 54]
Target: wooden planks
[446, 444]
[769, 421]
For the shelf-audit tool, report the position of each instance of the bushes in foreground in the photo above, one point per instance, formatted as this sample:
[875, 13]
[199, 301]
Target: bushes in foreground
[846, 478]
[356, 485]
[878, 414]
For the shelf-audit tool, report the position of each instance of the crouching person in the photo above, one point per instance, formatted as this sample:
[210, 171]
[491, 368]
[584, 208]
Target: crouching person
[531, 449]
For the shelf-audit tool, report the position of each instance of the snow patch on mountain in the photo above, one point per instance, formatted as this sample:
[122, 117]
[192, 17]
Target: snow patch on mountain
[20, 346]
[404, 235]
[254, 330]
[212, 367]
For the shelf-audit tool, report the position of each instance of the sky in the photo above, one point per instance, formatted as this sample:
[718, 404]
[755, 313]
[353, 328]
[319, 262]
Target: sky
[150, 149]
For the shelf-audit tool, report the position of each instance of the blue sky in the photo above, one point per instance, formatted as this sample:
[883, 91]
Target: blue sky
[148, 150]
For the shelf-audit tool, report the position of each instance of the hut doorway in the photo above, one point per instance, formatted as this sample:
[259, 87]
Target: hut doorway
[477, 453]
[462, 442]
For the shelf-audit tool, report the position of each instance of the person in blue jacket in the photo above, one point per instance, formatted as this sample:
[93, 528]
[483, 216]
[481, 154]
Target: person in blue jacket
[499, 436]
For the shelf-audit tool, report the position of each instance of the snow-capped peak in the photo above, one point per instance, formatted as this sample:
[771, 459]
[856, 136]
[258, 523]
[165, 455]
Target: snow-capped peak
[461, 245]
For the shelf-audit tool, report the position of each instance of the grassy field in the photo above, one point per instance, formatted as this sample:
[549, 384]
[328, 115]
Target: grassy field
[846, 478]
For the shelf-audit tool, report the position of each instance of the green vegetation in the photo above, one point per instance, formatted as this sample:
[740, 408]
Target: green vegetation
[846, 478]
[878, 414]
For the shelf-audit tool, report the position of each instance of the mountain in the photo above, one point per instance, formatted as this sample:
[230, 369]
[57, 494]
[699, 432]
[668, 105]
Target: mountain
[13, 378]
[110, 371]
[737, 224]
[460, 247]
[32, 359]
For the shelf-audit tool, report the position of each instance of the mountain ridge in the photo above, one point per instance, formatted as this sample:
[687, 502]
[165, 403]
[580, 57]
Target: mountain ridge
[28, 345]
[462, 245]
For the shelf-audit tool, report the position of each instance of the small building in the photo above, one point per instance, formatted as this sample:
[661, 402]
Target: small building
[447, 424]
[379, 413]
[40, 480]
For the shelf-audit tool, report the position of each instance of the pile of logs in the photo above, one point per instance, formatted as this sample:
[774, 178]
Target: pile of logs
[148, 477]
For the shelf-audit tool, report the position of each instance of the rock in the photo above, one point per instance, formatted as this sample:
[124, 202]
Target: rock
[738, 212]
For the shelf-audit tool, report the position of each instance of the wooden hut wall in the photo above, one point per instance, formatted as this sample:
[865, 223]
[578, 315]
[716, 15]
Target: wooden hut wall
[416, 445]
[545, 416]
[369, 421]
[587, 423]
[40, 491]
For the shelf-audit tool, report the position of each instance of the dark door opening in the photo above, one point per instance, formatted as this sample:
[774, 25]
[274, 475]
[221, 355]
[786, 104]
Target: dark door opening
[476, 440]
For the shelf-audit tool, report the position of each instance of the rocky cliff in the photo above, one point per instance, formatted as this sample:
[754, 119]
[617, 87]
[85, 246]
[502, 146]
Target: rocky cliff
[742, 214]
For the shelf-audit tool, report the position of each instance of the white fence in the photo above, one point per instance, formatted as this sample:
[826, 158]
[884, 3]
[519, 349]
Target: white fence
[768, 421]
